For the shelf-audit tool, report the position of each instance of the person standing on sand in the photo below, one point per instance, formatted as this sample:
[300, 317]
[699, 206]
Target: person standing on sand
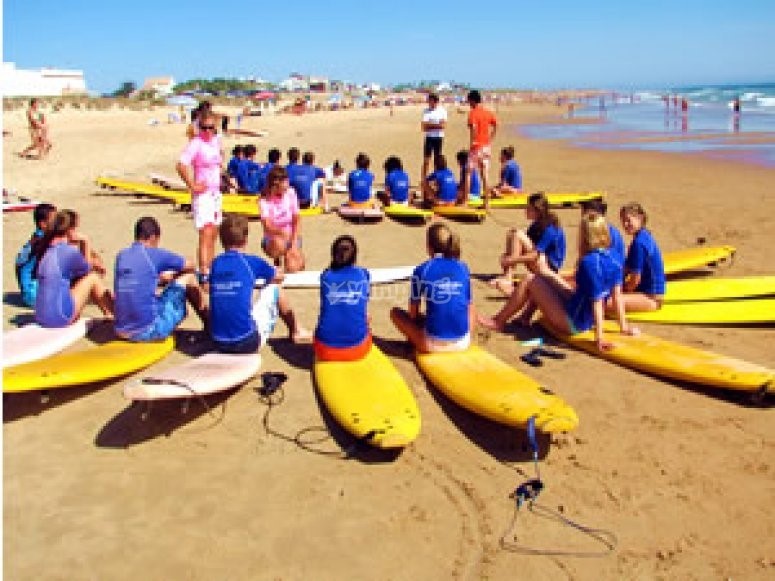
[434, 119]
[199, 167]
[482, 126]
[38, 132]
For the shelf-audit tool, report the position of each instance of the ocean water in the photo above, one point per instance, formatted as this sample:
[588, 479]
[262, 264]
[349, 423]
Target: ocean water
[642, 120]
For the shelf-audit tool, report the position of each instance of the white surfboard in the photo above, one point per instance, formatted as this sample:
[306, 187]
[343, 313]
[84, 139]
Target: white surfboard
[32, 342]
[311, 278]
[203, 375]
[351, 213]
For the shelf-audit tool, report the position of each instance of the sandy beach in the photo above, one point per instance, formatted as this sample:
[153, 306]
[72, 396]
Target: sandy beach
[683, 476]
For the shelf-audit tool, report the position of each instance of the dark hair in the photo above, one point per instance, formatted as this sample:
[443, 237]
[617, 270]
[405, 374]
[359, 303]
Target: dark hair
[249, 150]
[433, 97]
[273, 156]
[441, 240]
[362, 161]
[238, 150]
[474, 97]
[462, 157]
[440, 162]
[63, 222]
[393, 163]
[233, 231]
[146, 228]
[337, 165]
[344, 252]
[597, 205]
[308, 158]
[508, 152]
[42, 212]
[540, 203]
[293, 155]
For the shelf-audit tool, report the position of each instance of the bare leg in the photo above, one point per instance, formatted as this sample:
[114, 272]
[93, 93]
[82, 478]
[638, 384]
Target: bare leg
[514, 305]
[637, 302]
[298, 334]
[196, 297]
[206, 250]
[550, 302]
[91, 287]
[409, 328]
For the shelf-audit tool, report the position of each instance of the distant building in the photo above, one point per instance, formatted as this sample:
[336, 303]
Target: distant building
[41, 82]
[159, 86]
[295, 82]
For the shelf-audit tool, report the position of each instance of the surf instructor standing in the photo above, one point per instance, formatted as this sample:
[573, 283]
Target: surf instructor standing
[200, 167]
[434, 119]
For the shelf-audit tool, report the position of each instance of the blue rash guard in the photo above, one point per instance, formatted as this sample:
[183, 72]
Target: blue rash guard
[445, 283]
[397, 182]
[446, 183]
[597, 275]
[344, 301]
[644, 258]
[359, 185]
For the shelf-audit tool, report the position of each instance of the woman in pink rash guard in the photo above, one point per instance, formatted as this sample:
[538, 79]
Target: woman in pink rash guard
[280, 218]
[200, 167]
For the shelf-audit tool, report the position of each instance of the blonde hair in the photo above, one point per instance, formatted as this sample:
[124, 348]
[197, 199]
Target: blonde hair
[441, 240]
[593, 233]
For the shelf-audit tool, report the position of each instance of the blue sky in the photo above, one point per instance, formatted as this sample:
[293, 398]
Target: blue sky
[533, 44]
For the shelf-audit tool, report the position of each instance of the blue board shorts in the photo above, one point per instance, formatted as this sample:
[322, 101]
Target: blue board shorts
[172, 311]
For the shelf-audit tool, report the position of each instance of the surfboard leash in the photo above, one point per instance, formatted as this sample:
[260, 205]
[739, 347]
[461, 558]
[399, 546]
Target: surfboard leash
[271, 394]
[527, 493]
[208, 408]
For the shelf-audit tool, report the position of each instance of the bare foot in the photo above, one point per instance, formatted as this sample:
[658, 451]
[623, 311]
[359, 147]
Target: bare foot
[302, 336]
[505, 286]
[489, 323]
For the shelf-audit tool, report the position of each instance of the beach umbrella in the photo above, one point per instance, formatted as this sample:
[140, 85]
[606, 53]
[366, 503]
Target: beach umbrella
[182, 100]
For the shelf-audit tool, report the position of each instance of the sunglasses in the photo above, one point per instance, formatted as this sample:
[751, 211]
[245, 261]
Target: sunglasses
[207, 127]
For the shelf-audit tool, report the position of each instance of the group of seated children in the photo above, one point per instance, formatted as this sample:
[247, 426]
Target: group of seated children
[69, 274]
[247, 176]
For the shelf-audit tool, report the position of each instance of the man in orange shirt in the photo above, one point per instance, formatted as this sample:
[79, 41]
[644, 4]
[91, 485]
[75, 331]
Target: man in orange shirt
[482, 126]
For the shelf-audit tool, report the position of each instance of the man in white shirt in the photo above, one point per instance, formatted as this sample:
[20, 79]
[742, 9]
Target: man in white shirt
[434, 118]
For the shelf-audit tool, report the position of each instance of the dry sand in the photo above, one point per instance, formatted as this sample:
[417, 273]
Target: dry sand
[685, 478]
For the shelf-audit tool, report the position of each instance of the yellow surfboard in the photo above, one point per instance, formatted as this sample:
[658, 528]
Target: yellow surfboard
[369, 397]
[137, 188]
[407, 213]
[106, 361]
[713, 289]
[460, 213]
[480, 382]
[724, 312]
[698, 257]
[556, 199]
[673, 360]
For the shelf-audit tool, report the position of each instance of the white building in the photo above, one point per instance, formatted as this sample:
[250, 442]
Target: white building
[41, 82]
[159, 86]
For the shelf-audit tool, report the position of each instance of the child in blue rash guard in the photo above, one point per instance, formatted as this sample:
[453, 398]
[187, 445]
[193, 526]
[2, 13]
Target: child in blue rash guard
[66, 279]
[444, 282]
[141, 314]
[539, 248]
[359, 182]
[237, 325]
[440, 187]
[396, 183]
[511, 176]
[343, 331]
[644, 270]
[273, 158]
[618, 249]
[232, 168]
[248, 171]
[292, 167]
[43, 216]
[308, 181]
[470, 184]
[571, 311]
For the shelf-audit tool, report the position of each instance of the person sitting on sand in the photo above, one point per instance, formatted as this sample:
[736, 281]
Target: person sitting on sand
[293, 165]
[396, 183]
[308, 181]
[279, 208]
[511, 176]
[359, 183]
[440, 187]
[232, 168]
[43, 216]
[342, 332]
[249, 172]
[542, 246]
[141, 314]
[444, 282]
[469, 185]
[66, 281]
[237, 323]
[569, 311]
[644, 269]
[272, 159]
